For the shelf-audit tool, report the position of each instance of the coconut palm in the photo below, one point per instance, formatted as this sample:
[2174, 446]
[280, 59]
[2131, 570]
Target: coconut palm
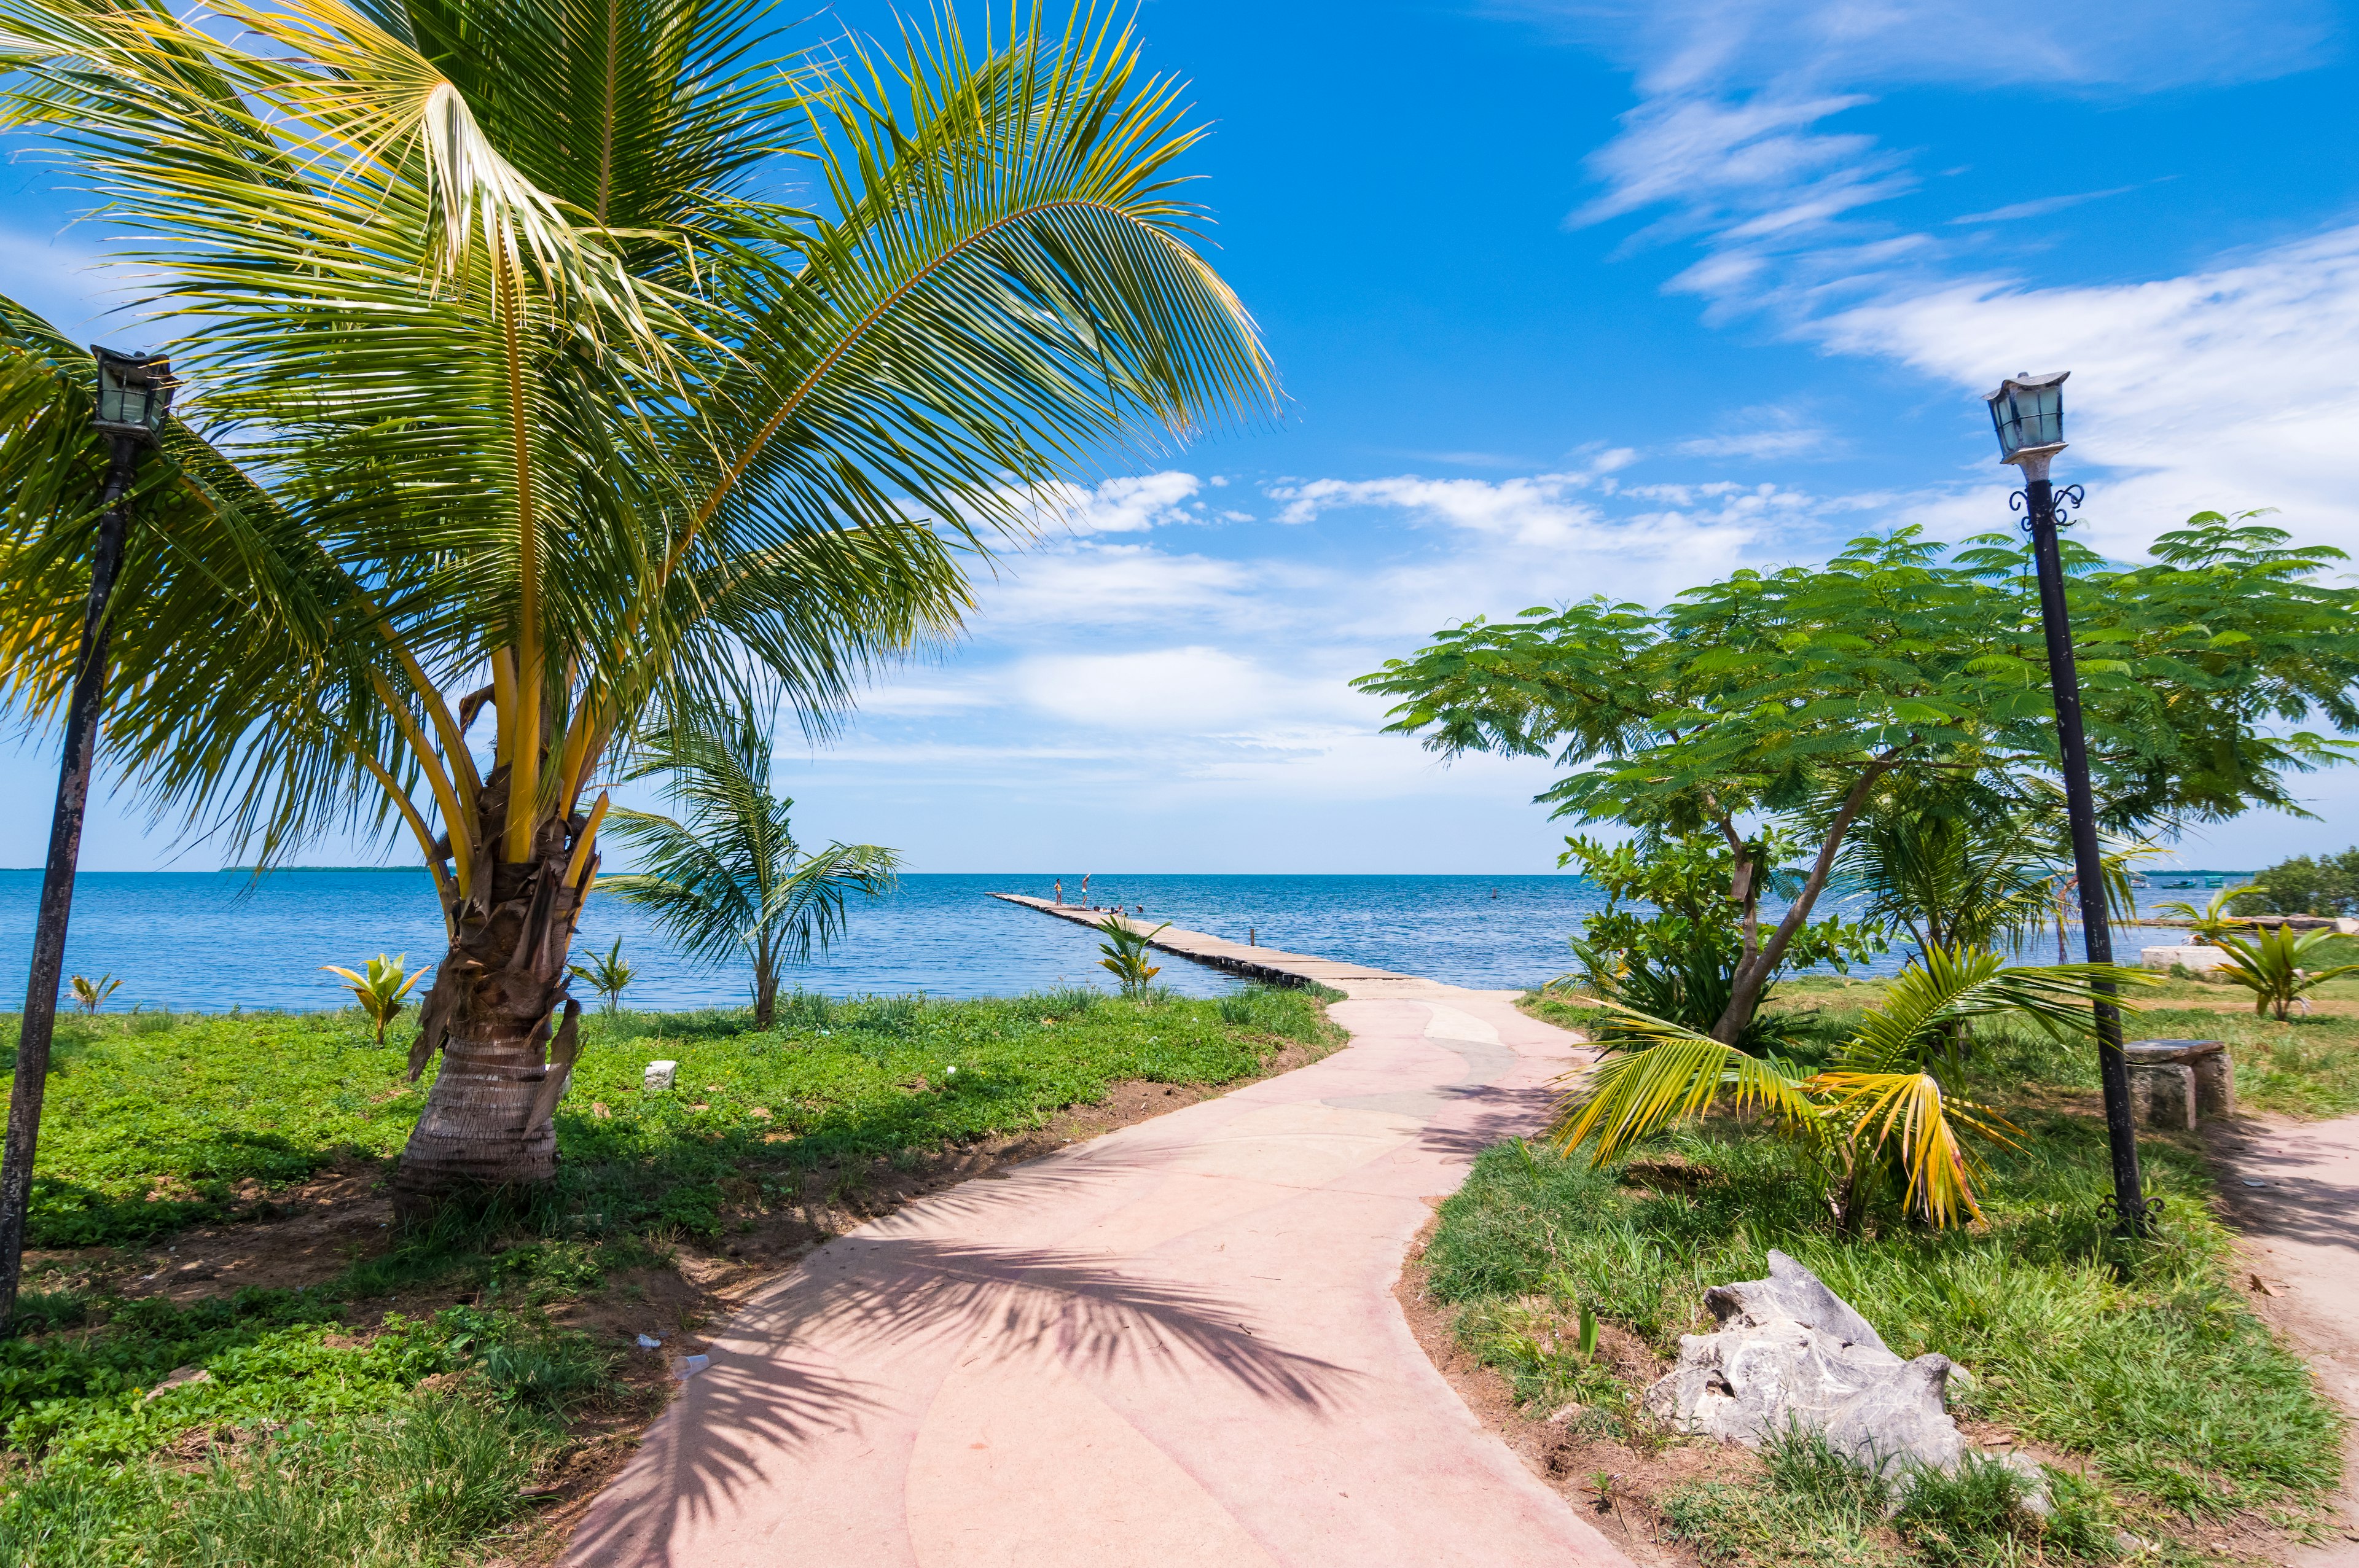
[1879, 1113]
[606, 974]
[2213, 921]
[380, 989]
[2273, 966]
[731, 881]
[509, 389]
[1968, 861]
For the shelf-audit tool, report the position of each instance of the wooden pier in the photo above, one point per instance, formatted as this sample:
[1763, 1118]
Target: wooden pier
[1270, 966]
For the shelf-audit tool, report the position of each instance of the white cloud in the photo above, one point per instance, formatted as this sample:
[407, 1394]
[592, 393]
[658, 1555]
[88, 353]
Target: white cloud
[2230, 386]
[1193, 690]
[1683, 46]
[2040, 207]
[1124, 504]
[1091, 586]
[2225, 388]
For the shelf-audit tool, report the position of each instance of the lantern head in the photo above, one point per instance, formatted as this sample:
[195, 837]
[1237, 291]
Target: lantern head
[2028, 411]
[135, 391]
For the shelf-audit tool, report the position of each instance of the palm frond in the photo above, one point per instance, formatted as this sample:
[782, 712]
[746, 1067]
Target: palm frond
[1950, 985]
[1911, 1111]
[1662, 1073]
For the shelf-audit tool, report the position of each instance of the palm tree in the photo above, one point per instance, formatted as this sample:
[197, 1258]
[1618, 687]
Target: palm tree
[509, 389]
[1879, 1113]
[732, 878]
[1969, 861]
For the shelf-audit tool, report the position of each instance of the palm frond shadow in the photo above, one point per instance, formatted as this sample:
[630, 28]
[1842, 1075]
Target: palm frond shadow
[767, 1390]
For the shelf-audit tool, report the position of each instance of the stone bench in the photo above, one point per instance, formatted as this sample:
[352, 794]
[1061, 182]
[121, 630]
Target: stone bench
[2191, 957]
[2177, 1083]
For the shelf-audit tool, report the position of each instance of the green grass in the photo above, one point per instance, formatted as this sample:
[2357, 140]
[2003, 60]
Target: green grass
[154, 1121]
[2145, 1363]
[401, 1442]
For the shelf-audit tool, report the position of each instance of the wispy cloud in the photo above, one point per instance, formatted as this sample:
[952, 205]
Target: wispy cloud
[2040, 207]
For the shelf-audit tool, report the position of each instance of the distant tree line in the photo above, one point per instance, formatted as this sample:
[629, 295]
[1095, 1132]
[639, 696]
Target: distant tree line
[2306, 884]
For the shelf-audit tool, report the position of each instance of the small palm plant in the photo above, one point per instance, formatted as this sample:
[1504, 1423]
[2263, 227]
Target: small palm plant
[1880, 1114]
[90, 995]
[731, 879]
[606, 975]
[2211, 921]
[380, 991]
[2271, 967]
[1125, 954]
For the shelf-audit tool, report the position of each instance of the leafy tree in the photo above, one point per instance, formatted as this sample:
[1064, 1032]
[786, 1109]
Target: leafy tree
[511, 389]
[731, 881]
[2322, 885]
[1796, 692]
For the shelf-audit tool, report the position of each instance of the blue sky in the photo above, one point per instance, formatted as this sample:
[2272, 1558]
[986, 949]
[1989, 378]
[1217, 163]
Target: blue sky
[1581, 297]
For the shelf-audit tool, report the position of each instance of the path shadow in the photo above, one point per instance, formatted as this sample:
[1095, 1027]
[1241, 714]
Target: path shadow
[775, 1388]
[2302, 1202]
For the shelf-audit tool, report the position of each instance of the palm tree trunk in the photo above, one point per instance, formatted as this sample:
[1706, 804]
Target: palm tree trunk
[491, 1012]
[765, 986]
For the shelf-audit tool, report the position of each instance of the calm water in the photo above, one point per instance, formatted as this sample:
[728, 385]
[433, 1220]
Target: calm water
[208, 941]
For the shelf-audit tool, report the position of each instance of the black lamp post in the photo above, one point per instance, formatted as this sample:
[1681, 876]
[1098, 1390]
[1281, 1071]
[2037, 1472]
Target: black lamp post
[2028, 412]
[134, 391]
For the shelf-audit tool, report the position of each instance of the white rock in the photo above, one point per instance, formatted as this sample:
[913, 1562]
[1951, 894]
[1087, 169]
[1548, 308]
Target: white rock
[1790, 1352]
[661, 1074]
[2190, 957]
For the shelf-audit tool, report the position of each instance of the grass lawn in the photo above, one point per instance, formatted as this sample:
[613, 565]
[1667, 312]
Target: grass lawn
[2141, 1374]
[328, 1429]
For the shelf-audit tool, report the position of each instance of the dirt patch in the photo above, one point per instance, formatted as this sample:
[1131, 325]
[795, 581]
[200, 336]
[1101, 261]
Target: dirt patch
[298, 1235]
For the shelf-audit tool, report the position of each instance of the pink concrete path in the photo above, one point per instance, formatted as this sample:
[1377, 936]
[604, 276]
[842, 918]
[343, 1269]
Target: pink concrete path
[1174, 1345]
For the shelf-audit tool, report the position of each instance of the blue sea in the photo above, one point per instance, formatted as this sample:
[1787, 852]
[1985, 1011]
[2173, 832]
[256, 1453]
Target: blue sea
[208, 941]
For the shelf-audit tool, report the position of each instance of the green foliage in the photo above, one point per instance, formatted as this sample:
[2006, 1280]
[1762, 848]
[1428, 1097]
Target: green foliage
[186, 1116]
[411, 1488]
[1970, 1517]
[607, 975]
[90, 995]
[1971, 860]
[1125, 949]
[731, 881]
[1878, 1115]
[628, 427]
[2305, 884]
[2159, 1376]
[1680, 961]
[1796, 691]
[2277, 966]
[2213, 921]
[380, 991]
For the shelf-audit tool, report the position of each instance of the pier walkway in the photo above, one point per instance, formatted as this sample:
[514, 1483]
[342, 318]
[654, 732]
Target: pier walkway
[1175, 1345]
